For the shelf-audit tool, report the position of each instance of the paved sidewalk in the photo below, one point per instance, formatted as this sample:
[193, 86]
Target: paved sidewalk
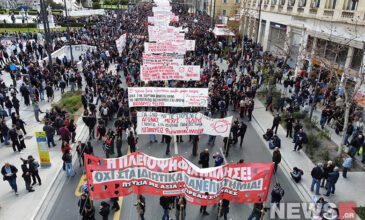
[347, 190]
[31, 202]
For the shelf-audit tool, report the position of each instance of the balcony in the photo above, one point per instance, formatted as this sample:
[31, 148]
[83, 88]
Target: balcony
[280, 8]
[289, 9]
[328, 12]
[272, 7]
[347, 14]
[300, 10]
[313, 11]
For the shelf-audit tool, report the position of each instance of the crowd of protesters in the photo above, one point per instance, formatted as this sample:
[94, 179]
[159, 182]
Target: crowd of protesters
[105, 99]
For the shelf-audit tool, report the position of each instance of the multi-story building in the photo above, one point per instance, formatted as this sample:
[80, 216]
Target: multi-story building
[333, 30]
[227, 8]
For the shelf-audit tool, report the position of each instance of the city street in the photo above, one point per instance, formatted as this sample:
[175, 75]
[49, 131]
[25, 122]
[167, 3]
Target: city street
[254, 150]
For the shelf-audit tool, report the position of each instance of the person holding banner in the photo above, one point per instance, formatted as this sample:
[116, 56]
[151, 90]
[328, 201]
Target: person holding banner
[180, 208]
[141, 206]
[165, 202]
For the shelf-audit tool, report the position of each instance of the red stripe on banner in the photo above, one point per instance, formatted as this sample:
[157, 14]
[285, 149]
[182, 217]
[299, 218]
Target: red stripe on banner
[139, 173]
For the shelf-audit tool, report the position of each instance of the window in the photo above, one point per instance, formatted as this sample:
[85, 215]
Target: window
[282, 2]
[224, 1]
[224, 12]
[302, 3]
[236, 12]
[237, 1]
[291, 3]
[331, 4]
[351, 5]
[315, 3]
[273, 2]
[356, 59]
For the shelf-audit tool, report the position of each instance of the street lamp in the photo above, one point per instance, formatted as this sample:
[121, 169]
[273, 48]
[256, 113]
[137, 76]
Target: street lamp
[26, 17]
[68, 33]
[48, 39]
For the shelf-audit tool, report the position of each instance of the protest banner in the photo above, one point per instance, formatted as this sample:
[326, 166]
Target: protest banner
[121, 42]
[160, 96]
[150, 59]
[182, 124]
[138, 173]
[167, 47]
[166, 72]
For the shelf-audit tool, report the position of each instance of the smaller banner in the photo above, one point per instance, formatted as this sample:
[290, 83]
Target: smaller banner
[165, 72]
[151, 59]
[164, 47]
[121, 43]
[160, 96]
[139, 173]
[182, 124]
[43, 151]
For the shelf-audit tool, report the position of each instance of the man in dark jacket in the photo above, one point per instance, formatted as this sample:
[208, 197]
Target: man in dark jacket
[275, 123]
[165, 203]
[356, 144]
[349, 131]
[332, 180]
[9, 174]
[289, 126]
[276, 142]
[104, 210]
[242, 132]
[204, 158]
[299, 139]
[317, 175]
[258, 208]
[14, 138]
[50, 134]
[276, 158]
[26, 175]
[33, 167]
[327, 168]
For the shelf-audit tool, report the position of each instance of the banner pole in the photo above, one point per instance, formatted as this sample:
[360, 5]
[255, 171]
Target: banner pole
[181, 208]
[220, 209]
[262, 212]
[138, 208]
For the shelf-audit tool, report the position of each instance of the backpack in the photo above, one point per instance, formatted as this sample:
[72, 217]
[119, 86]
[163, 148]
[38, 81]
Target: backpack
[105, 111]
[281, 191]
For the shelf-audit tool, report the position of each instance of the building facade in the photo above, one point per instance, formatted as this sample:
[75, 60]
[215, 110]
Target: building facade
[226, 8]
[333, 30]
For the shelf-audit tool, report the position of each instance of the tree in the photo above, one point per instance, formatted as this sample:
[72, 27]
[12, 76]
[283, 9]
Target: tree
[53, 4]
[329, 55]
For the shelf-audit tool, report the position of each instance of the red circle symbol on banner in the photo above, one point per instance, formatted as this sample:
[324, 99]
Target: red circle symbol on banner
[220, 126]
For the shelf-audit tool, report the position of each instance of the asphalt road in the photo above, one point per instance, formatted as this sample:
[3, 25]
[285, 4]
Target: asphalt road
[254, 150]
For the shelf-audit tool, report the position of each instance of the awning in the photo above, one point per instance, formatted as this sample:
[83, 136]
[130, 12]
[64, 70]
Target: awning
[222, 31]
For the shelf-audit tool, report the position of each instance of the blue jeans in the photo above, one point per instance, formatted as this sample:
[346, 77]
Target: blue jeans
[224, 213]
[142, 216]
[153, 136]
[6, 139]
[323, 122]
[211, 139]
[346, 142]
[255, 215]
[165, 214]
[275, 167]
[69, 169]
[271, 145]
[12, 182]
[50, 139]
[331, 188]
[317, 183]
[9, 111]
[167, 148]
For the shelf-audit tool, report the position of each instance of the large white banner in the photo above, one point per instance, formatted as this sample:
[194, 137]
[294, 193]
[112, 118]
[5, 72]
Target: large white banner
[182, 124]
[165, 72]
[121, 43]
[160, 96]
[150, 59]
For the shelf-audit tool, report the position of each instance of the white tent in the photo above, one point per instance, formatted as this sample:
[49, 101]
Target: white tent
[222, 31]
